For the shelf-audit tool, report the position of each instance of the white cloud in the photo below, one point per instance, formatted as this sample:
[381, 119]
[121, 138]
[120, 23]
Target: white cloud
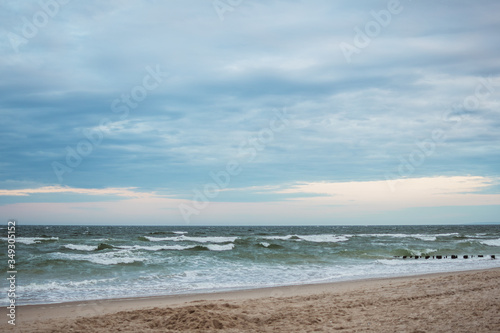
[411, 192]
[127, 192]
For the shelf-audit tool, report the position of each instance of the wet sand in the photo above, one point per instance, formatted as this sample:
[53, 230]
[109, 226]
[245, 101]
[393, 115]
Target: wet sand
[444, 302]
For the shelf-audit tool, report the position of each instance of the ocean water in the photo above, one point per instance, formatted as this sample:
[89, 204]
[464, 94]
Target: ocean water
[70, 263]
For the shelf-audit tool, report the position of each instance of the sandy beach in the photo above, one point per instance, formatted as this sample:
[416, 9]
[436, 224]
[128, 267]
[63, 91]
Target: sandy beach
[443, 302]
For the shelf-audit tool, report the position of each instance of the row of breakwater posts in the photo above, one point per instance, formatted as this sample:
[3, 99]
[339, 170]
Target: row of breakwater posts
[465, 256]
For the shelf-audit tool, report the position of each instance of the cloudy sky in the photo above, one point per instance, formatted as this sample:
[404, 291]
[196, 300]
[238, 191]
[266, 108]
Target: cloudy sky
[250, 112]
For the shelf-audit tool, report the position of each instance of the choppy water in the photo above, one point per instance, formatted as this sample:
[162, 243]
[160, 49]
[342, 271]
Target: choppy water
[67, 263]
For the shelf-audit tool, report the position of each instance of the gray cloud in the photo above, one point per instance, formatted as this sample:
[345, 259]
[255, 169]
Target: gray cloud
[226, 78]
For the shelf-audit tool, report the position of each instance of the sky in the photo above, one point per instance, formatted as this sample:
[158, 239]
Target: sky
[250, 112]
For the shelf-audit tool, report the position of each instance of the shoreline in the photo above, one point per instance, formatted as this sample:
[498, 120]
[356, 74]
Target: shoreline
[200, 294]
[45, 314]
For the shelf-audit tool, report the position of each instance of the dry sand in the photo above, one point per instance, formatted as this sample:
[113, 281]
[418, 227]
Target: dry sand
[448, 302]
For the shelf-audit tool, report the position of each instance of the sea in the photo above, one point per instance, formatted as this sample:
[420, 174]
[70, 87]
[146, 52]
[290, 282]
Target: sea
[73, 263]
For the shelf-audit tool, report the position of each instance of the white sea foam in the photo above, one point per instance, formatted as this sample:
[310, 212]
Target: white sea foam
[423, 265]
[35, 240]
[180, 232]
[491, 242]
[278, 237]
[81, 247]
[325, 238]
[160, 239]
[425, 237]
[114, 260]
[211, 247]
[59, 286]
[109, 258]
[157, 247]
[216, 247]
[192, 239]
[209, 239]
[265, 244]
[27, 240]
[419, 253]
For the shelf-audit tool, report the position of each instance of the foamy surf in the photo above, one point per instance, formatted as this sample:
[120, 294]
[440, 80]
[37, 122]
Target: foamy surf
[34, 240]
[312, 238]
[183, 238]
[81, 247]
[76, 263]
[491, 242]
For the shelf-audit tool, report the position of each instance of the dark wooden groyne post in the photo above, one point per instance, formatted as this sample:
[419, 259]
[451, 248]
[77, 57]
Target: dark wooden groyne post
[453, 256]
